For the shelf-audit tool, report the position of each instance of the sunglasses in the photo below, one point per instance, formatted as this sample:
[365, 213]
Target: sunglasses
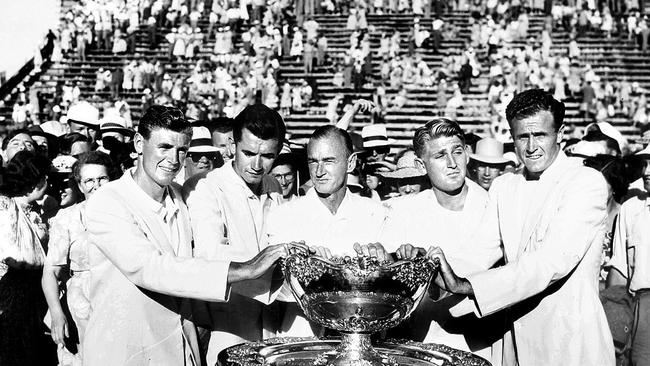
[196, 156]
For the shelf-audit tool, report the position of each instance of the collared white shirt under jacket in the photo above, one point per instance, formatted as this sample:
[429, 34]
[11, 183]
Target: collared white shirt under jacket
[140, 276]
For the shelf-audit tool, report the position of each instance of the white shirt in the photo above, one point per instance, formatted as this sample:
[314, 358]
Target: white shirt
[357, 220]
[423, 222]
[631, 247]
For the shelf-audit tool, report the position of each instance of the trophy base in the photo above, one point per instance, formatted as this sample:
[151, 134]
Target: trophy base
[355, 349]
[293, 351]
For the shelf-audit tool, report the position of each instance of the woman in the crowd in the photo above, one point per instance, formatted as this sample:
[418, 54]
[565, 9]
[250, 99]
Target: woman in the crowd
[68, 246]
[23, 236]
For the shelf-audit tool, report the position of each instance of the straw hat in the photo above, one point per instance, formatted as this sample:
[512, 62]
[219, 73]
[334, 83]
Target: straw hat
[489, 150]
[375, 136]
[84, 113]
[201, 140]
[407, 167]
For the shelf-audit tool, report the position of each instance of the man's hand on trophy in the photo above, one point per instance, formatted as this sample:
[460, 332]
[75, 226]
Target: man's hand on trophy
[373, 250]
[446, 278]
[321, 252]
[408, 251]
[258, 265]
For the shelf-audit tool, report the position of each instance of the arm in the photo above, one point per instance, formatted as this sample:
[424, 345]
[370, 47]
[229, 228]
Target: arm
[619, 267]
[570, 234]
[50, 285]
[117, 235]
[359, 105]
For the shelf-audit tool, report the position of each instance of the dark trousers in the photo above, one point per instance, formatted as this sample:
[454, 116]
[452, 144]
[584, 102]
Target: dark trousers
[640, 355]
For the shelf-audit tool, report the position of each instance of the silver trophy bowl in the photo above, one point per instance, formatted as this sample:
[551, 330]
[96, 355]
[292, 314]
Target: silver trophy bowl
[356, 297]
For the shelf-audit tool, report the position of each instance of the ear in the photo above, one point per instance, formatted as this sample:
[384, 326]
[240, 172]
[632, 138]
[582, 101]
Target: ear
[560, 134]
[232, 147]
[138, 142]
[419, 163]
[352, 162]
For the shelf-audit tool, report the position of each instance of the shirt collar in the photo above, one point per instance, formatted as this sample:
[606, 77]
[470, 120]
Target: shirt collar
[267, 186]
[346, 205]
[555, 169]
[144, 200]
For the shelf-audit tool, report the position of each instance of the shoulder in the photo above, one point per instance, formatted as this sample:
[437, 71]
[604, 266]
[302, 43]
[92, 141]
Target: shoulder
[634, 204]
[6, 203]
[65, 214]
[110, 195]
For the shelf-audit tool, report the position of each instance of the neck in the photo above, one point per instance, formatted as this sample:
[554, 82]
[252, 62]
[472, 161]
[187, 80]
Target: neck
[152, 189]
[453, 200]
[333, 201]
[22, 200]
[255, 188]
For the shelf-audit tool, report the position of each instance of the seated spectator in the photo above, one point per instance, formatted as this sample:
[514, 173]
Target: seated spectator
[487, 162]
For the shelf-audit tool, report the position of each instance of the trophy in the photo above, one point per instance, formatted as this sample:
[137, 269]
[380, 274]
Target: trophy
[357, 297]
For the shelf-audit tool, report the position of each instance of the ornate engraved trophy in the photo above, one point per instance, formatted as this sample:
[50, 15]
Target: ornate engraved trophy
[356, 297]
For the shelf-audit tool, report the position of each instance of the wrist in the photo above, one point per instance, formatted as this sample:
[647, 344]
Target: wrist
[238, 272]
[465, 287]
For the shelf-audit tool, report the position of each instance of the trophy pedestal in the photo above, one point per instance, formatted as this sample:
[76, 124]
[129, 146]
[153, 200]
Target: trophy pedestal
[355, 349]
[293, 351]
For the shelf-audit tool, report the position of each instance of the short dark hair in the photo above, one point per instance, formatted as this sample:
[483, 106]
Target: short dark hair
[95, 158]
[23, 173]
[66, 141]
[286, 159]
[261, 121]
[331, 130]
[436, 128]
[13, 134]
[219, 124]
[169, 118]
[531, 102]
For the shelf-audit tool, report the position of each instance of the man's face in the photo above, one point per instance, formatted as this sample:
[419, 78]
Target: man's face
[408, 186]
[646, 175]
[197, 162]
[162, 155]
[254, 157]
[83, 129]
[20, 142]
[445, 159]
[224, 142]
[286, 177]
[537, 143]
[372, 181]
[328, 164]
[42, 144]
[486, 173]
[375, 154]
[118, 136]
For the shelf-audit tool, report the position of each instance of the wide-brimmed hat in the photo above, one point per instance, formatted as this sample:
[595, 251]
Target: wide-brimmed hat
[407, 167]
[375, 136]
[84, 113]
[114, 123]
[54, 128]
[489, 150]
[644, 153]
[63, 163]
[609, 131]
[201, 140]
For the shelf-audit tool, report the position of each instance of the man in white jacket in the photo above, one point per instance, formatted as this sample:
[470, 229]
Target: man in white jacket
[140, 257]
[550, 220]
[228, 210]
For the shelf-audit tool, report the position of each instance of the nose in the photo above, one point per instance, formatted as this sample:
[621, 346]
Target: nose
[647, 168]
[257, 163]
[451, 163]
[320, 170]
[486, 172]
[172, 156]
[282, 180]
[408, 189]
[532, 144]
